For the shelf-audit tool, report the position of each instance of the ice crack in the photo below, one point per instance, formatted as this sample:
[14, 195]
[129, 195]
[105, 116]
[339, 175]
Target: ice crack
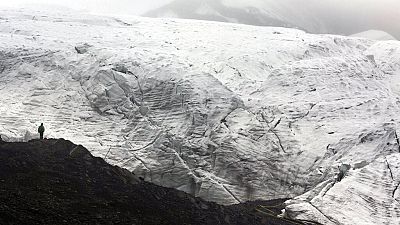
[326, 216]
[397, 140]
[230, 192]
[272, 129]
[236, 70]
[395, 189]
[391, 176]
[390, 170]
[149, 144]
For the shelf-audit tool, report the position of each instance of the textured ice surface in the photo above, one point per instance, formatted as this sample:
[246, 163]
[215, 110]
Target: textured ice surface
[229, 113]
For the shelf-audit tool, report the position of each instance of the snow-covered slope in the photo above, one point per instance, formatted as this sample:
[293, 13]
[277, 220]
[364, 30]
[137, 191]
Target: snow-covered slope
[226, 112]
[375, 35]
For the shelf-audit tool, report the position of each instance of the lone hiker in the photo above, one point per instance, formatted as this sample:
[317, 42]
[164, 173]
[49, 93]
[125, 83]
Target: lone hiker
[41, 130]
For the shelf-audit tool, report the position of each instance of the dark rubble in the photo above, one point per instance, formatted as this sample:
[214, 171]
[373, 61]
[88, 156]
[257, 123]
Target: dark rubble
[57, 182]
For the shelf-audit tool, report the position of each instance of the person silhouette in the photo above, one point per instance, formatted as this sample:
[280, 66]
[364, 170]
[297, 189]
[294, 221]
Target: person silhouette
[41, 130]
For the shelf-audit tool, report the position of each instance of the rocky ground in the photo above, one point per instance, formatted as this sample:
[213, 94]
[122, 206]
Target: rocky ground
[57, 182]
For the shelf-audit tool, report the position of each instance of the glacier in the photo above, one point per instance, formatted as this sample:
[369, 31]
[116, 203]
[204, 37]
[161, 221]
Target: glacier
[226, 112]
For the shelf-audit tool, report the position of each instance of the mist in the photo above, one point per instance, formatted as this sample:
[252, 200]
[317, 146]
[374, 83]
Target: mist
[135, 7]
[335, 16]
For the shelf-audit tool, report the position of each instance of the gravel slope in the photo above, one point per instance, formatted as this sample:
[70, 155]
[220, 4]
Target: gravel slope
[58, 182]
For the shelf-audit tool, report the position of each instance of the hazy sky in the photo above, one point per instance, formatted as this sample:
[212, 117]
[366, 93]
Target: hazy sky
[96, 6]
[140, 6]
[364, 14]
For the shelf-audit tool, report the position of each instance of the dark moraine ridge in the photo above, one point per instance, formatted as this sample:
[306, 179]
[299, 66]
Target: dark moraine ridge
[57, 182]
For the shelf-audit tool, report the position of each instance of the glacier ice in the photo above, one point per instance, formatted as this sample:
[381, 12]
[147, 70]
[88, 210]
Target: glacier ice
[230, 113]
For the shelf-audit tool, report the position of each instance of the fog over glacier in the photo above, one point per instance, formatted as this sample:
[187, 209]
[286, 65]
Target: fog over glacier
[333, 16]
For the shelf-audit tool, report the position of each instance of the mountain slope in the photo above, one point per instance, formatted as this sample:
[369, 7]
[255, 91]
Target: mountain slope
[229, 113]
[57, 182]
[330, 16]
[218, 11]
